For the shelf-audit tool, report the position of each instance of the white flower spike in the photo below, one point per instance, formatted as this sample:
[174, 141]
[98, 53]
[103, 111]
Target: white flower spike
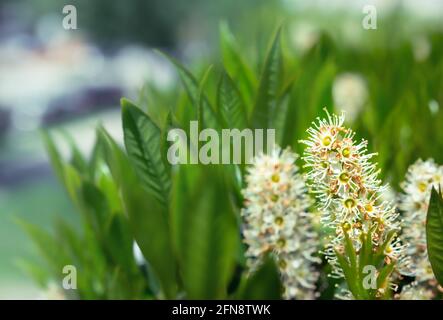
[364, 227]
[414, 202]
[276, 220]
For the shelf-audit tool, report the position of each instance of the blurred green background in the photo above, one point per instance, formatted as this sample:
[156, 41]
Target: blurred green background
[73, 79]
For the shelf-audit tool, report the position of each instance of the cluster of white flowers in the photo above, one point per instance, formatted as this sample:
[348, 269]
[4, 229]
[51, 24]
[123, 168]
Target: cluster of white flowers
[346, 185]
[350, 94]
[414, 291]
[414, 202]
[276, 221]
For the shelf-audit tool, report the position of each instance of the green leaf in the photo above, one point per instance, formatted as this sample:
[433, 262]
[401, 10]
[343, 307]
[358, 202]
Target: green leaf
[143, 144]
[155, 104]
[65, 172]
[96, 161]
[164, 143]
[86, 255]
[353, 277]
[72, 182]
[206, 115]
[49, 248]
[263, 284]
[106, 184]
[282, 122]
[119, 242]
[270, 82]
[235, 66]
[350, 252]
[67, 236]
[39, 273]
[96, 208]
[121, 168]
[350, 276]
[77, 159]
[434, 234]
[383, 276]
[202, 108]
[54, 156]
[147, 217]
[230, 104]
[366, 253]
[205, 231]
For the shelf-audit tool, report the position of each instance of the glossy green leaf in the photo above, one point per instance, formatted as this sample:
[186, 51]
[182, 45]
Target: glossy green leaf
[270, 82]
[264, 283]
[85, 254]
[148, 217]
[230, 104]
[72, 182]
[65, 172]
[51, 251]
[235, 65]
[77, 159]
[107, 185]
[119, 243]
[143, 144]
[202, 108]
[96, 208]
[39, 273]
[96, 160]
[54, 156]
[205, 231]
[434, 234]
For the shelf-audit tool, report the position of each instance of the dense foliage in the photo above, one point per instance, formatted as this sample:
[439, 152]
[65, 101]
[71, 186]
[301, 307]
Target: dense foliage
[186, 218]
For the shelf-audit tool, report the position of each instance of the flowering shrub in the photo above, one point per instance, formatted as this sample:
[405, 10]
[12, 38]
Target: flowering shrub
[244, 231]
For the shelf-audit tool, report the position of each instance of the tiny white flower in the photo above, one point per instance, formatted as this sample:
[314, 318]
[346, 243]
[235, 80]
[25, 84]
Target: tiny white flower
[414, 292]
[350, 94]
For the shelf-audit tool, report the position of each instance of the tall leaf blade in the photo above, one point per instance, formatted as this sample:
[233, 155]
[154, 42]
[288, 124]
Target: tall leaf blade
[202, 108]
[54, 156]
[77, 159]
[65, 172]
[147, 217]
[235, 66]
[119, 242]
[96, 208]
[49, 249]
[143, 144]
[270, 82]
[230, 104]
[205, 231]
[434, 234]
